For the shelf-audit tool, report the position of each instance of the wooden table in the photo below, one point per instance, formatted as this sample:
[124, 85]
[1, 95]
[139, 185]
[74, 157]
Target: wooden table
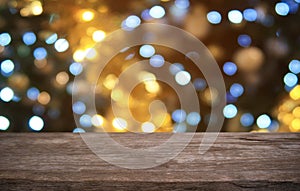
[237, 161]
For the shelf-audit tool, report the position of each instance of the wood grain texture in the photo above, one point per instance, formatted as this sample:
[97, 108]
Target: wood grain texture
[237, 161]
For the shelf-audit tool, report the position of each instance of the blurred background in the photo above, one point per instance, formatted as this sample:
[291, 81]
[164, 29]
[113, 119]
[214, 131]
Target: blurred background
[43, 43]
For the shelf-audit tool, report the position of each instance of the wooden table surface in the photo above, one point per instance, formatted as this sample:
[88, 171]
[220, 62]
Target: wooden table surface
[236, 161]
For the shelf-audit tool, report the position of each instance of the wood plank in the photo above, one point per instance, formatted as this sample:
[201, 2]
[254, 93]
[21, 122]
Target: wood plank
[236, 161]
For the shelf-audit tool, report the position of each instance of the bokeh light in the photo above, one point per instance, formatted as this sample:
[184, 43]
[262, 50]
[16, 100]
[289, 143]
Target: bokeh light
[290, 79]
[263, 121]
[157, 12]
[6, 94]
[250, 15]
[247, 119]
[179, 115]
[294, 66]
[36, 123]
[282, 9]
[29, 38]
[147, 51]
[236, 90]
[157, 61]
[214, 17]
[148, 127]
[183, 78]
[4, 123]
[244, 40]
[235, 16]
[5, 39]
[229, 68]
[61, 45]
[230, 111]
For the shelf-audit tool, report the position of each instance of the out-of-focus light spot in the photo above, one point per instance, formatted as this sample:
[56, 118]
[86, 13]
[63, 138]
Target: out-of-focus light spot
[157, 61]
[146, 15]
[183, 78]
[293, 5]
[290, 79]
[230, 98]
[263, 121]
[179, 128]
[38, 109]
[44, 98]
[36, 8]
[274, 126]
[244, 40]
[110, 81]
[250, 15]
[235, 16]
[5, 39]
[29, 38]
[193, 118]
[36, 123]
[179, 115]
[230, 111]
[4, 123]
[85, 121]
[99, 35]
[6, 94]
[214, 17]
[229, 68]
[147, 51]
[247, 119]
[132, 21]
[130, 56]
[152, 86]
[236, 90]
[87, 15]
[117, 95]
[119, 123]
[79, 55]
[79, 107]
[157, 12]
[7, 66]
[296, 112]
[282, 9]
[62, 78]
[51, 39]
[97, 120]
[33, 93]
[295, 93]
[78, 130]
[90, 53]
[294, 66]
[295, 125]
[182, 4]
[199, 84]
[61, 45]
[146, 76]
[148, 127]
[175, 68]
[40, 53]
[75, 68]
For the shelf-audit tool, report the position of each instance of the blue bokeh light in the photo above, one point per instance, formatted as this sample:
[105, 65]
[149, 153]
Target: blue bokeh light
[182, 4]
[282, 9]
[294, 66]
[247, 119]
[157, 61]
[51, 39]
[33, 93]
[193, 118]
[29, 38]
[199, 84]
[179, 128]
[250, 15]
[179, 115]
[236, 90]
[290, 79]
[214, 17]
[175, 68]
[133, 21]
[230, 111]
[157, 12]
[244, 40]
[85, 121]
[40, 53]
[263, 121]
[229, 68]
[7, 67]
[75, 68]
[78, 130]
[147, 51]
[79, 107]
[5, 39]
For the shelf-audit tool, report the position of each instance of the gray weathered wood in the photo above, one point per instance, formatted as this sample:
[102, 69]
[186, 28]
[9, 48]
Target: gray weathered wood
[61, 161]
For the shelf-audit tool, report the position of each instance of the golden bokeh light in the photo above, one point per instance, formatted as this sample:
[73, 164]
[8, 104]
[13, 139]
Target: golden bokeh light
[99, 35]
[62, 78]
[98, 120]
[44, 98]
[295, 93]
